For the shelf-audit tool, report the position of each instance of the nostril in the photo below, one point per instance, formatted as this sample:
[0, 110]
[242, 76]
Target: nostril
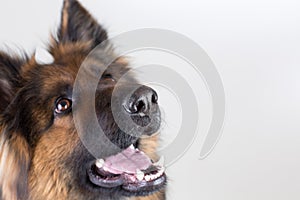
[132, 108]
[154, 97]
[141, 106]
[136, 107]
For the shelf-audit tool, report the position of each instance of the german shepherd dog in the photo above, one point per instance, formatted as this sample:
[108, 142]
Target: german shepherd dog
[42, 155]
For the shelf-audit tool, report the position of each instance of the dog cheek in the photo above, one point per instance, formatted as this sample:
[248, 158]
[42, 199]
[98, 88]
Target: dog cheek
[14, 165]
[49, 177]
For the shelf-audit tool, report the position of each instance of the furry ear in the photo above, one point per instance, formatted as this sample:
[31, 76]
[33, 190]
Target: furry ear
[9, 77]
[14, 165]
[14, 151]
[77, 25]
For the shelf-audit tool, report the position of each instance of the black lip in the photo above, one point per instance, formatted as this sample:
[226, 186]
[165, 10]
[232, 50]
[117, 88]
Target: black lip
[102, 181]
[146, 186]
[127, 188]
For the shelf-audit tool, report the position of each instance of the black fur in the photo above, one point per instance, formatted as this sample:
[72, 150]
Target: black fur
[29, 93]
[9, 77]
[81, 26]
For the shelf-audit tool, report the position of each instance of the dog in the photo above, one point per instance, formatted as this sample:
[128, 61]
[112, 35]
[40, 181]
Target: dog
[42, 153]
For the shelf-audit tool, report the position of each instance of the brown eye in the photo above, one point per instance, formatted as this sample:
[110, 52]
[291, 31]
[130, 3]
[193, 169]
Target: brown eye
[63, 105]
[108, 77]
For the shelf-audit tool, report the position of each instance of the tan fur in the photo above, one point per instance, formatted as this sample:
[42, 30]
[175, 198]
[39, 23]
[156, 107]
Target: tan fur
[67, 50]
[65, 17]
[14, 154]
[149, 146]
[42, 169]
[49, 182]
[156, 196]
[54, 147]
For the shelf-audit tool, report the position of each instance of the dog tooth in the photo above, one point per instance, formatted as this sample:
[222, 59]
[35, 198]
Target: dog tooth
[154, 177]
[160, 172]
[161, 162]
[105, 168]
[139, 175]
[158, 175]
[100, 163]
[132, 147]
[147, 177]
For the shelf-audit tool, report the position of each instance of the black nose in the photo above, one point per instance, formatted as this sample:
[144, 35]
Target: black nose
[141, 101]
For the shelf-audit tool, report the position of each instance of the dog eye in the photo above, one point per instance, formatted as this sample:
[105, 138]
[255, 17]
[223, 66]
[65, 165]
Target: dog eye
[108, 76]
[63, 105]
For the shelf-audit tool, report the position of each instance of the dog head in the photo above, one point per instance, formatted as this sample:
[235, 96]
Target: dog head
[42, 155]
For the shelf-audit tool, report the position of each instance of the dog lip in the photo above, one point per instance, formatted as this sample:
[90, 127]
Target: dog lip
[129, 182]
[146, 186]
[104, 181]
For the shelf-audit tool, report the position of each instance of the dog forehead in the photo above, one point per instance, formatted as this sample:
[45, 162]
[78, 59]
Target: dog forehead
[51, 75]
[60, 76]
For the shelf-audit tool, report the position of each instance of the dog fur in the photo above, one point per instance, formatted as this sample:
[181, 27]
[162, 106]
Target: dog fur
[37, 148]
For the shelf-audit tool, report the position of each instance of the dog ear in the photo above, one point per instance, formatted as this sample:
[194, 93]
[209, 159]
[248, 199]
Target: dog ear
[77, 25]
[14, 151]
[14, 165]
[9, 77]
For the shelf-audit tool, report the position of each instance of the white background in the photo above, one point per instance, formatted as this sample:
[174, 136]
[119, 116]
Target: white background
[255, 47]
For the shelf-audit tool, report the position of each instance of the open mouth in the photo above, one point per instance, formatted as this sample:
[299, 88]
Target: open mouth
[131, 169]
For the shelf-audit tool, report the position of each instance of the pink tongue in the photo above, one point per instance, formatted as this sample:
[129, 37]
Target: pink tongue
[127, 161]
